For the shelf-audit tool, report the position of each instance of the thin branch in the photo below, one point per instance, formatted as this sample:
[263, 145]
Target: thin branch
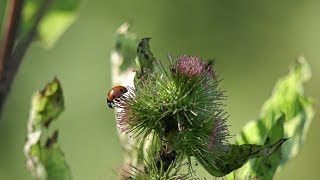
[10, 29]
[23, 45]
[11, 66]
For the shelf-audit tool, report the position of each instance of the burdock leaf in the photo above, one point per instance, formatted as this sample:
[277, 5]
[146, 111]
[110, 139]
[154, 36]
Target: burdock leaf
[267, 166]
[44, 158]
[287, 98]
[145, 60]
[145, 56]
[231, 157]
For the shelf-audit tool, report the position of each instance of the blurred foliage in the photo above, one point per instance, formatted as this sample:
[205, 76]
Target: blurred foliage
[288, 100]
[3, 4]
[60, 15]
[125, 45]
[44, 158]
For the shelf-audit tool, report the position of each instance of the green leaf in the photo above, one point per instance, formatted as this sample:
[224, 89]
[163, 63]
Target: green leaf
[44, 158]
[145, 56]
[231, 157]
[53, 25]
[48, 161]
[145, 59]
[60, 15]
[288, 98]
[267, 166]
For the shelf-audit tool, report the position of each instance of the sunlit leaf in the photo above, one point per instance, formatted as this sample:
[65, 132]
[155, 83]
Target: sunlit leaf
[267, 166]
[288, 98]
[59, 16]
[53, 25]
[231, 157]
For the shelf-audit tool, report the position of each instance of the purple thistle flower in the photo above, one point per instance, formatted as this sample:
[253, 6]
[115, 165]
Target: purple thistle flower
[193, 66]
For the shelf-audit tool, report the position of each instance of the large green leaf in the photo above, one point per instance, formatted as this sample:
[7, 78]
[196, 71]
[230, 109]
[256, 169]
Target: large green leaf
[288, 99]
[266, 167]
[59, 16]
[44, 158]
[231, 157]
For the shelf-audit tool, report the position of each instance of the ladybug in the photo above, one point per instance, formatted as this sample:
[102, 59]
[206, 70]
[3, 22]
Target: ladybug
[115, 93]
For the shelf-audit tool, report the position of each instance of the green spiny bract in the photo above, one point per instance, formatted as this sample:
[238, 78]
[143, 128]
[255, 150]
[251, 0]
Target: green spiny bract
[181, 104]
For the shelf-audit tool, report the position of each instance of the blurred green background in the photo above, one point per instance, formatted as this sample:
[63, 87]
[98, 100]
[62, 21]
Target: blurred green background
[253, 43]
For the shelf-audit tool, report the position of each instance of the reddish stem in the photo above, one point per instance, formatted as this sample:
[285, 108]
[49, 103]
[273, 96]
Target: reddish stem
[11, 23]
[10, 29]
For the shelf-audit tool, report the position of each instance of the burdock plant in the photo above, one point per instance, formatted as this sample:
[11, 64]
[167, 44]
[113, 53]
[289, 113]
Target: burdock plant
[172, 124]
[178, 109]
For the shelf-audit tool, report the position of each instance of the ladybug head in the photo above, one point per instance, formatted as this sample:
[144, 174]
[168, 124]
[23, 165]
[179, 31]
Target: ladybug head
[110, 104]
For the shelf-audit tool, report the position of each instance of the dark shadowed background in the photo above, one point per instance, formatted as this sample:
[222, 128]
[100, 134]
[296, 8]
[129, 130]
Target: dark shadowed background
[253, 44]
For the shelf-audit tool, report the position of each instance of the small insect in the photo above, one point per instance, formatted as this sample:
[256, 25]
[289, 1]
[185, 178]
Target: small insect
[115, 93]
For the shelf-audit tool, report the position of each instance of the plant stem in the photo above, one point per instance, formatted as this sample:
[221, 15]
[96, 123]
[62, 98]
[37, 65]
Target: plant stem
[11, 63]
[10, 30]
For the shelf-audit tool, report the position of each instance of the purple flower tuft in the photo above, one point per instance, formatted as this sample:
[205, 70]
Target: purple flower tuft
[193, 66]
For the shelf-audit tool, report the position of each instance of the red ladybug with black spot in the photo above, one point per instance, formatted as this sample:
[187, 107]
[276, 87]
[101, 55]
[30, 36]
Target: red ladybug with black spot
[114, 94]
